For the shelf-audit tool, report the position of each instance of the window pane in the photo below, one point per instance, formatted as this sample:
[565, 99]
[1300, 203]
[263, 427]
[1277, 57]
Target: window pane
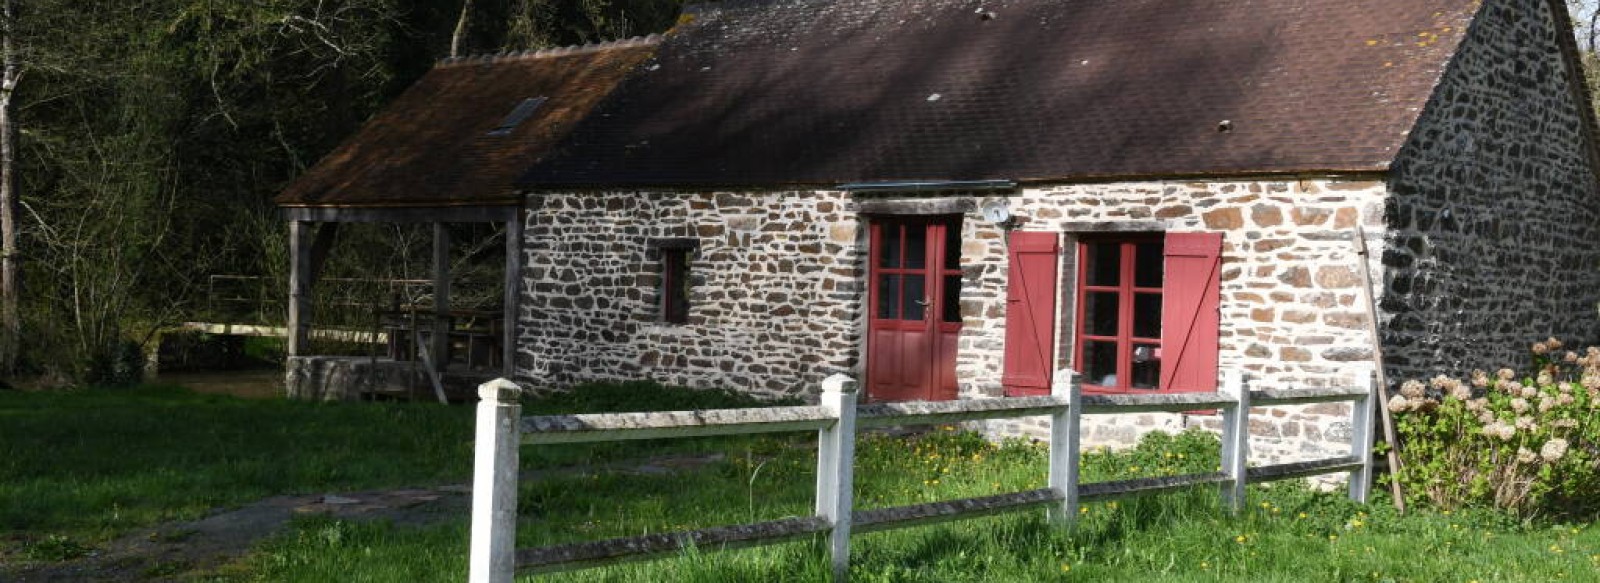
[1100, 363]
[1146, 366]
[888, 297]
[1104, 264]
[952, 246]
[916, 300]
[952, 298]
[1100, 314]
[1147, 315]
[675, 286]
[916, 246]
[889, 246]
[1147, 265]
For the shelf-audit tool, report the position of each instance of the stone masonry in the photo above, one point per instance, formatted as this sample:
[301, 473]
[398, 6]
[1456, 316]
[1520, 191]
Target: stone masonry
[778, 288]
[1494, 222]
[775, 301]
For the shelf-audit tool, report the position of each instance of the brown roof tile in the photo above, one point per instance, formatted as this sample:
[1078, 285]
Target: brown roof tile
[777, 92]
[431, 146]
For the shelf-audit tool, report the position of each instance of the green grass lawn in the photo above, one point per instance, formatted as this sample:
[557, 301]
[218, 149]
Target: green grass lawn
[88, 465]
[1289, 533]
[81, 467]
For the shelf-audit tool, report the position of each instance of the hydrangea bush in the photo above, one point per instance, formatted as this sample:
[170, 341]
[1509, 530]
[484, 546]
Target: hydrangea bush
[1525, 443]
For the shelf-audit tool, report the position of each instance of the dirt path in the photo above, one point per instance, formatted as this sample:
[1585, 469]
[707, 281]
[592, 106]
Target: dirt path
[178, 551]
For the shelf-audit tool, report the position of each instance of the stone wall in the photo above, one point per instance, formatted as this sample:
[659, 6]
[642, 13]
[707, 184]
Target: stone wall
[778, 289]
[775, 300]
[1494, 238]
[1292, 310]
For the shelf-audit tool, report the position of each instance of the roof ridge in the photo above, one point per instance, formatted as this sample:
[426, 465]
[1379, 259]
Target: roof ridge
[503, 56]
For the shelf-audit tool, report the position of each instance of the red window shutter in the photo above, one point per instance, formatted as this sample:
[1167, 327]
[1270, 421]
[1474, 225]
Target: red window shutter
[1030, 313]
[1190, 320]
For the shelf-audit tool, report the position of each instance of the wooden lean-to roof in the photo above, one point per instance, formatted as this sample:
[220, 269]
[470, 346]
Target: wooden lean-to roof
[822, 92]
[437, 145]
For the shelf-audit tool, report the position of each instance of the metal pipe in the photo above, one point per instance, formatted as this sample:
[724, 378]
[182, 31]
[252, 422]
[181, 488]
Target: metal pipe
[929, 186]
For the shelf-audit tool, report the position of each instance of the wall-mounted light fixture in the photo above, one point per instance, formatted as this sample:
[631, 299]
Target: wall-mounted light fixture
[998, 211]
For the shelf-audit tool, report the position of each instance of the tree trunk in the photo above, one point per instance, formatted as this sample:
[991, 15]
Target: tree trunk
[10, 317]
[462, 24]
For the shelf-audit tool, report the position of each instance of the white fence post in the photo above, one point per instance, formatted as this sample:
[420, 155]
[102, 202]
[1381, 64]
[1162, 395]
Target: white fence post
[1065, 440]
[836, 456]
[1361, 416]
[494, 484]
[1235, 441]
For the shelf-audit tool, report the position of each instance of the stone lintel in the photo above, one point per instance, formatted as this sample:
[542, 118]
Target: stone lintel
[1114, 226]
[943, 205]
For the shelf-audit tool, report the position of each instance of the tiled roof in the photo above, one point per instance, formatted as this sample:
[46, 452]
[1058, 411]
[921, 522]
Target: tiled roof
[819, 92]
[433, 145]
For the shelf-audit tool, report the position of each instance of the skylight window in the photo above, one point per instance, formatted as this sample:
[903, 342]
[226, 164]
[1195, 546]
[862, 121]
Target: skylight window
[520, 114]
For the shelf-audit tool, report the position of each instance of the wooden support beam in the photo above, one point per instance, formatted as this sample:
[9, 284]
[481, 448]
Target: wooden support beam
[440, 348]
[321, 247]
[402, 215]
[513, 291]
[299, 287]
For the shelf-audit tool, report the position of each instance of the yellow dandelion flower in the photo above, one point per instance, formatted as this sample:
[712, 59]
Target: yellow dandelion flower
[1241, 539]
[1083, 510]
[1065, 567]
[1303, 516]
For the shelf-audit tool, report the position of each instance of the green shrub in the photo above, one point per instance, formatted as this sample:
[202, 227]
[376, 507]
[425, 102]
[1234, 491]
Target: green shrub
[1523, 444]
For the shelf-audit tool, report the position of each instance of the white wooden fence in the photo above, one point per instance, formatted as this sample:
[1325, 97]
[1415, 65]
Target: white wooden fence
[501, 430]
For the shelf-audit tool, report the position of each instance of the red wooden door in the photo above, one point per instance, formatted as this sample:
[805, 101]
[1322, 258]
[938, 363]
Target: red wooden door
[914, 318]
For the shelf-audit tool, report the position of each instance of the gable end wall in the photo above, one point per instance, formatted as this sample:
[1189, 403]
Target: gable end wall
[1494, 224]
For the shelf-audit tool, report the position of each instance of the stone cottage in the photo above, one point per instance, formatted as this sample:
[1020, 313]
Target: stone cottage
[965, 198]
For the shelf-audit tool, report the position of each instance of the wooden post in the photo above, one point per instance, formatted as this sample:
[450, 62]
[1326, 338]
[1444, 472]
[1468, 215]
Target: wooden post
[836, 453]
[492, 558]
[1065, 441]
[513, 291]
[299, 287]
[441, 298]
[1389, 434]
[1235, 441]
[1361, 430]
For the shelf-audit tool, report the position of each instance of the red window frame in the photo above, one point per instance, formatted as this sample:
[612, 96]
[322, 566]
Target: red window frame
[1127, 292]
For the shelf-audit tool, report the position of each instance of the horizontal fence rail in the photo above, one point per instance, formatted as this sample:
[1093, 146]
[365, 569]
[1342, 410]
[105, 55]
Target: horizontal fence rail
[654, 425]
[501, 430]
